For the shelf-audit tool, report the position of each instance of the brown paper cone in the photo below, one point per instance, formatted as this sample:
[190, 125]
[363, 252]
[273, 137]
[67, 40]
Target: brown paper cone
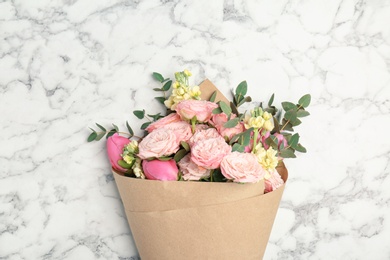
[195, 220]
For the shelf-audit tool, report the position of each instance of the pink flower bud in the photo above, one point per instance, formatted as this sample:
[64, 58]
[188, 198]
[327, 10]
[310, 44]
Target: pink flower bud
[160, 170]
[115, 145]
[281, 139]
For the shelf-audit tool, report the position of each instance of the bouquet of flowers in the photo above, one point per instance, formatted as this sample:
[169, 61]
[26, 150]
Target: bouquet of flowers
[198, 153]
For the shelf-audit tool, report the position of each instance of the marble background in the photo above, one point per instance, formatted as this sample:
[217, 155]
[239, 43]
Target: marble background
[65, 65]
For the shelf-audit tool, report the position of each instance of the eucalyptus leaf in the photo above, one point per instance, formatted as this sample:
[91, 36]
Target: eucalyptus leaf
[238, 147]
[288, 106]
[242, 88]
[164, 158]
[302, 113]
[234, 108]
[217, 110]
[115, 127]
[300, 148]
[145, 125]
[225, 108]
[92, 137]
[305, 100]
[101, 127]
[158, 77]
[295, 122]
[271, 100]
[231, 123]
[218, 176]
[140, 114]
[287, 153]
[160, 99]
[291, 115]
[167, 85]
[110, 133]
[129, 129]
[100, 136]
[213, 96]
[294, 140]
[158, 89]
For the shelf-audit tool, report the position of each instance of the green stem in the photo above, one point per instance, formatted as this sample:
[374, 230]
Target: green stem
[288, 121]
[211, 175]
[193, 124]
[255, 135]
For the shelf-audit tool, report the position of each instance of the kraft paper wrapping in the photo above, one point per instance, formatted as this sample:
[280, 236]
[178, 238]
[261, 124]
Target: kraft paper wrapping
[187, 220]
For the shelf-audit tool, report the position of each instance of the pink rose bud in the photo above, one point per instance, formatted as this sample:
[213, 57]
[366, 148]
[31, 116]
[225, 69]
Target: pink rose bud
[160, 170]
[115, 145]
[281, 139]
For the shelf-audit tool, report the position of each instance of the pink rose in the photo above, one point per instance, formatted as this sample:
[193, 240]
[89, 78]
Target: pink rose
[173, 117]
[208, 153]
[272, 181]
[160, 170]
[191, 171]
[202, 109]
[203, 135]
[160, 142]
[242, 167]
[181, 129]
[115, 145]
[218, 120]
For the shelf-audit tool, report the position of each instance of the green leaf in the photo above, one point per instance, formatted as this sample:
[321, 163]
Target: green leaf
[123, 164]
[116, 128]
[238, 147]
[276, 126]
[92, 136]
[164, 158]
[272, 141]
[111, 133]
[158, 77]
[145, 125]
[287, 153]
[242, 88]
[291, 115]
[101, 127]
[288, 106]
[100, 136]
[217, 111]
[302, 113]
[185, 145]
[235, 138]
[225, 108]
[246, 99]
[180, 154]
[129, 129]
[158, 89]
[139, 113]
[231, 123]
[246, 137]
[218, 176]
[305, 100]
[234, 108]
[271, 100]
[160, 99]
[295, 122]
[288, 126]
[300, 148]
[213, 96]
[167, 85]
[294, 140]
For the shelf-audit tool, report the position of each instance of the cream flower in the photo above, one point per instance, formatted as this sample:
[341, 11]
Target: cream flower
[266, 158]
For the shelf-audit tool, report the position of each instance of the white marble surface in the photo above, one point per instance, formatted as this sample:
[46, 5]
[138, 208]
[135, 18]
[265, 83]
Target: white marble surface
[65, 65]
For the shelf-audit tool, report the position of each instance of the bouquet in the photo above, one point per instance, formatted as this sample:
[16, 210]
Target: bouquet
[206, 178]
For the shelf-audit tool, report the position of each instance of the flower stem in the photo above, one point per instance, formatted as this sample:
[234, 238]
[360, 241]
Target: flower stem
[255, 135]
